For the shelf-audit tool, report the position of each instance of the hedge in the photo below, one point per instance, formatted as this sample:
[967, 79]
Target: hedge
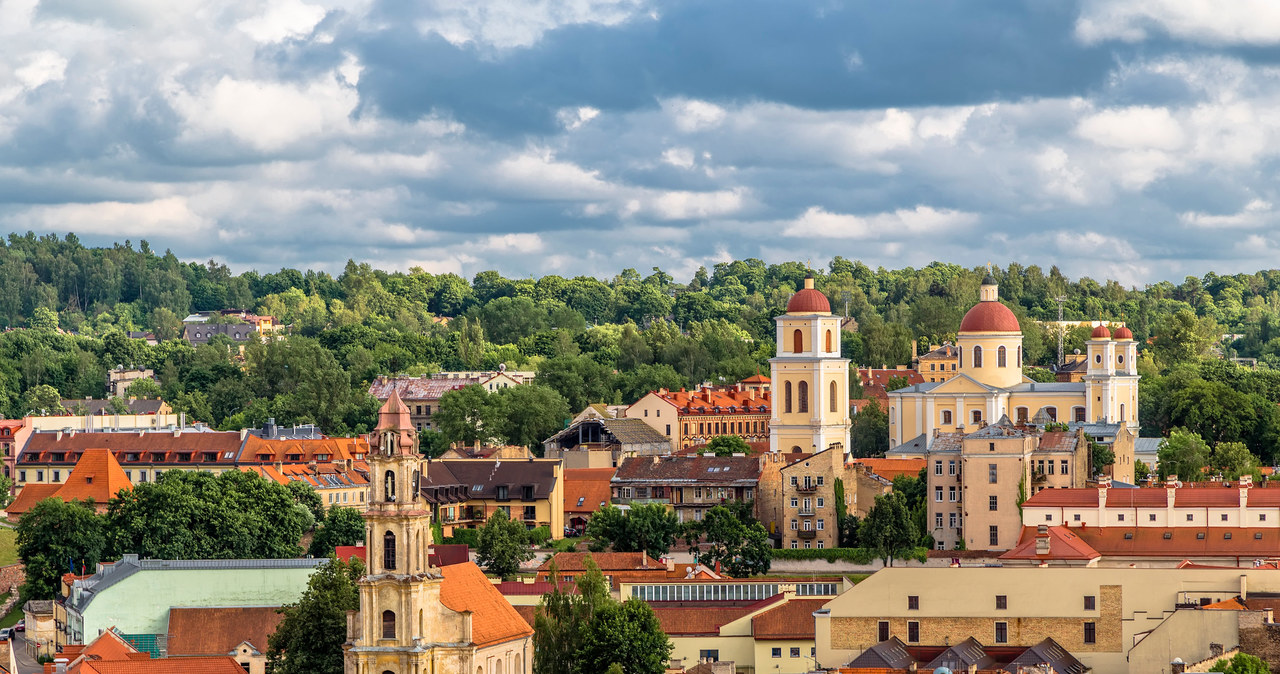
[855, 555]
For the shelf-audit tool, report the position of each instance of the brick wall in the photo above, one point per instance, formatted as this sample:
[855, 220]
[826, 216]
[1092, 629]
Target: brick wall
[1260, 638]
[11, 576]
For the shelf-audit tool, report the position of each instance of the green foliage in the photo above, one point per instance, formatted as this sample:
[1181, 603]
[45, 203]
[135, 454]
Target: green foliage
[502, 545]
[888, 528]
[145, 387]
[859, 556]
[1241, 663]
[1039, 374]
[590, 632]
[1103, 456]
[1184, 454]
[727, 445]
[1141, 471]
[467, 537]
[309, 638]
[740, 547]
[56, 537]
[869, 434]
[1234, 459]
[469, 415]
[650, 527]
[340, 526]
[196, 515]
[539, 536]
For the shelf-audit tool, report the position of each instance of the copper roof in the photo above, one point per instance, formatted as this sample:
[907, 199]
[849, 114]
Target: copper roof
[990, 316]
[218, 631]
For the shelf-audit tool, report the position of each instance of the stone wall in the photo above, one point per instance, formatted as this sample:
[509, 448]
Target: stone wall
[11, 577]
[1261, 638]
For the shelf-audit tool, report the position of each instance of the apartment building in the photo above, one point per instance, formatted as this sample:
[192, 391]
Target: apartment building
[689, 485]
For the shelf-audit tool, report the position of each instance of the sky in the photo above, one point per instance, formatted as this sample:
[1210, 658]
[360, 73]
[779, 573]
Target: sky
[1134, 140]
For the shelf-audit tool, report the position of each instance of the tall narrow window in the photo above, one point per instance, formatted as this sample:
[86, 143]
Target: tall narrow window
[977, 356]
[389, 551]
[829, 349]
[1001, 357]
[1019, 361]
[833, 401]
[1122, 412]
[388, 625]
[786, 398]
[797, 342]
[804, 397]
[389, 485]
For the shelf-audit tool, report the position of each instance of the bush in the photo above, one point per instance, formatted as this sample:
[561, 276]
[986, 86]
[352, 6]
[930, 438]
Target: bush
[469, 537]
[539, 537]
[832, 555]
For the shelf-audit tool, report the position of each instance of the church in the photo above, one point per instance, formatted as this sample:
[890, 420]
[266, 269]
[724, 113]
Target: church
[415, 617]
[990, 383]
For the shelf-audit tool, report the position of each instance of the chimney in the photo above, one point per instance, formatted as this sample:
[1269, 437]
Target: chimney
[1177, 666]
[60, 666]
[1042, 539]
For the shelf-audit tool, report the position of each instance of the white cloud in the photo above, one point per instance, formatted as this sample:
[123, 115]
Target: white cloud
[537, 174]
[267, 115]
[1059, 177]
[521, 23]
[42, 67]
[684, 205]
[820, 223]
[679, 157]
[572, 118]
[511, 243]
[283, 19]
[1253, 22]
[1256, 213]
[693, 115]
[114, 218]
[1136, 127]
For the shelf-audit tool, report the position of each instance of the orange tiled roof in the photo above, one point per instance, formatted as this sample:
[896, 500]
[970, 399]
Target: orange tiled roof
[97, 475]
[756, 379]
[29, 497]
[690, 621]
[792, 620]
[586, 489]
[1232, 604]
[1063, 544]
[493, 620]
[717, 402]
[568, 562]
[322, 450]
[183, 665]
[217, 631]
[891, 468]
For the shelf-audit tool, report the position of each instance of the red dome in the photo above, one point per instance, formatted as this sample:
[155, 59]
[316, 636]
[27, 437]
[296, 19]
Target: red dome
[808, 300]
[1100, 332]
[990, 317]
[1123, 333]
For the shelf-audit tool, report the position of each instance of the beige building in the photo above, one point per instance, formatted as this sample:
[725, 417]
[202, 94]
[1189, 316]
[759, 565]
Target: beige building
[809, 505]
[464, 493]
[990, 384]
[422, 394]
[1113, 620]
[809, 378]
[415, 617]
[940, 363]
[691, 418]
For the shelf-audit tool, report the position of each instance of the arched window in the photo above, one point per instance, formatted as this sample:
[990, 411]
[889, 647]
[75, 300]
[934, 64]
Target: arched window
[389, 485]
[518, 669]
[797, 342]
[829, 349]
[892, 415]
[833, 396]
[497, 667]
[786, 398]
[1001, 358]
[1019, 355]
[1121, 412]
[946, 417]
[804, 397]
[388, 624]
[389, 551]
[1052, 412]
[795, 449]
[977, 356]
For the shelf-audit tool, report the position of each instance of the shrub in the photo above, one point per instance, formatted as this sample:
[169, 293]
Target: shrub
[854, 555]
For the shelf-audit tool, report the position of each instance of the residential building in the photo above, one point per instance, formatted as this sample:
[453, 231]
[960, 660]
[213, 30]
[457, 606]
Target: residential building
[336, 484]
[1074, 367]
[200, 333]
[99, 407]
[22, 430]
[134, 596]
[586, 490]
[876, 381]
[48, 456]
[869, 478]
[97, 476]
[119, 378]
[599, 442]
[617, 567]
[464, 493]
[809, 500]
[415, 616]
[240, 632]
[771, 501]
[810, 378]
[262, 323]
[1112, 620]
[507, 452]
[939, 364]
[690, 485]
[9, 430]
[422, 394]
[688, 419]
[989, 382]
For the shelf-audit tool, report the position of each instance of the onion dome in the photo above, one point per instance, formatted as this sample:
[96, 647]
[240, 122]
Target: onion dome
[1123, 333]
[1100, 332]
[990, 316]
[808, 300]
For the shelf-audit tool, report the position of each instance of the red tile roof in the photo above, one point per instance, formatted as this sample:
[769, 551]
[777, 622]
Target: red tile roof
[218, 631]
[891, 468]
[588, 485]
[717, 401]
[348, 552]
[322, 450]
[96, 476]
[792, 620]
[1182, 543]
[989, 316]
[29, 496]
[1064, 544]
[1133, 498]
[571, 562]
[1206, 498]
[188, 665]
[493, 620]
[697, 621]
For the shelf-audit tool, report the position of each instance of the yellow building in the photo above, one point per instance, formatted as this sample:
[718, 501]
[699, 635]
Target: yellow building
[464, 493]
[940, 363]
[809, 378]
[990, 384]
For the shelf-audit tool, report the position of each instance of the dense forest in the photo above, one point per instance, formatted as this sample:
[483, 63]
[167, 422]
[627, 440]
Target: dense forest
[589, 339]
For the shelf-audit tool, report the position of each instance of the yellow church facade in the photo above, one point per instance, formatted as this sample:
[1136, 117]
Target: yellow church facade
[990, 383]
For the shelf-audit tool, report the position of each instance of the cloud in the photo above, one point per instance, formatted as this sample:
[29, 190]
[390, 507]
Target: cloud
[114, 218]
[1251, 22]
[1137, 127]
[266, 115]
[691, 116]
[42, 67]
[1256, 213]
[285, 19]
[819, 223]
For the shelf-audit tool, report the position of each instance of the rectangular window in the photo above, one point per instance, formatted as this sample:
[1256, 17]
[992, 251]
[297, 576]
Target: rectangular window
[1191, 517]
[991, 503]
[951, 494]
[821, 525]
[994, 535]
[1090, 601]
[883, 629]
[821, 545]
[937, 520]
[1152, 517]
[794, 482]
[1090, 633]
[1262, 517]
[57, 477]
[794, 525]
[1002, 633]
[951, 467]
[709, 655]
[937, 494]
[22, 476]
[1002, 602]
[991, 473]
[777, 652]
[668, 429]
[951, 520]
[1224, 515]
[820, 478]
[913, 632]
[937, 467]
[794, 545]
[795, 651]
[1064, 467]
[1120, 517]
[795, 502]
[821, 502]
[1051, 466]
[39, 476]
[913, 602]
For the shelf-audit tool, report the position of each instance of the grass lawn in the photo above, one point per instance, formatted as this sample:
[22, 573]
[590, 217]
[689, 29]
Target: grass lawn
[12, 617]
[8, 546]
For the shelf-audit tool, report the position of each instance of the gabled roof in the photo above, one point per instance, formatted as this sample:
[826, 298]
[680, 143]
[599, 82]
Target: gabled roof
[586, 489]
[697, 621]
[891, 654]
[792, 620]
[30, 495]
[332, 449]
[493, 620]
[960, 657]
[716, 401]
[224, 446]
[97, 475]
[1050, 651]
[1064, 544]
[482, 477]
[218, 631]
[689, 469]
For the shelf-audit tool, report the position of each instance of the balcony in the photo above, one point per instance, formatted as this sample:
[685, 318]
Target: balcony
[807, 533]
[806, 512]
[807, 488]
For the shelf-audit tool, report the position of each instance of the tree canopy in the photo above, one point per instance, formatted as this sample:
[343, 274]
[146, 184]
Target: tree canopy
[503, 545]
[309, 638]
[648, 527]
[57, 537]
[740, 546]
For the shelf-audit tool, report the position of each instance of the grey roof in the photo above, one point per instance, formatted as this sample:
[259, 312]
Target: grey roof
[99, 407]
[38, 607]
[1051, 652]
[1047, 387]
[128, 565]
[482, 477]
[1097, 429]
[1147, 445]
[891, 654]
[913, 447]
[624, 431]
[1001, 429]
[923, 387]
[958, 658]
[947, 442]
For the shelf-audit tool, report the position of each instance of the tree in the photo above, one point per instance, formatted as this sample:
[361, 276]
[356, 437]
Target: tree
[869, 433]
[309, 638]
[1184, 454]
[470, 415]
[1141, 471]
[503, 545]
[648, 527]
[44, 319]
[888, 529]
[626, 634]
[55, 537]
[1182, 337]
[1234, 459]
[145, 387]
[533, 414]
[1101, 456]
[727, 445]
[42, 400]
[1241, 663]
[742, 549]
[341, 526]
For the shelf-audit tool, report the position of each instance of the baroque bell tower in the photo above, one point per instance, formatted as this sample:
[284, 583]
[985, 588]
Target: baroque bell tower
[397, 629]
